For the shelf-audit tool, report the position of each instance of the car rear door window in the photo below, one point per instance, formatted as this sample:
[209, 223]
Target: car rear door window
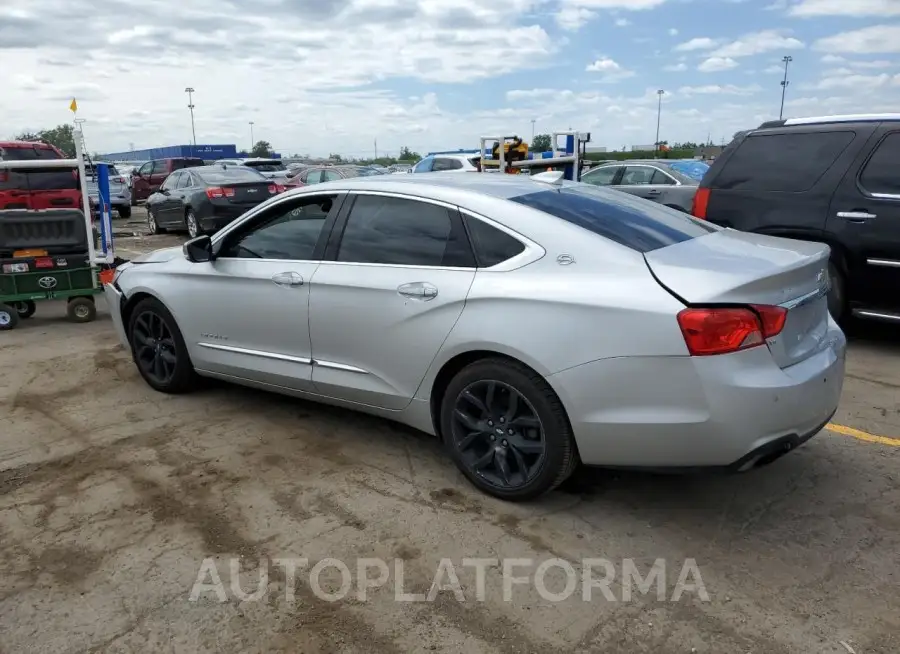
[619, 217]
[603, 176]
[286, 231]
[185, 180]
[881, 176]
[313, 177]
[330, 175]
[397, 231]
[445, 163]
[160, 167]
[787, 162]
[492, 246]
[661, 179]
[424, 166]
[637, 176]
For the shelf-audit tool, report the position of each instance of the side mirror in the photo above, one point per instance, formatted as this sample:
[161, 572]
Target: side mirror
[198, 250]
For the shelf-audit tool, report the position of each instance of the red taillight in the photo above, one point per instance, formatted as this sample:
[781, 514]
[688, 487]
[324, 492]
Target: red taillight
[276, 188]
[4, 175]
[214, 192]
[700, 203]
[119, 180]
[727, 329]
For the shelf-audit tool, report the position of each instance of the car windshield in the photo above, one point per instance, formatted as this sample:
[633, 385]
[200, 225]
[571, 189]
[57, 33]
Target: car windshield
[622, 218]
[265, 166]
[28, 154]
[229, 175]
[693, 169]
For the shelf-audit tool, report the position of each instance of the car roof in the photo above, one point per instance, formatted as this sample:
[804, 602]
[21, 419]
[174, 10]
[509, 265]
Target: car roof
[25, 144]
[836, 119]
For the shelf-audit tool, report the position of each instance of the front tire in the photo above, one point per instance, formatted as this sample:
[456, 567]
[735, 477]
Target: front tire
[152, 224]
[507, 430]
[158, 348]
[837, 298]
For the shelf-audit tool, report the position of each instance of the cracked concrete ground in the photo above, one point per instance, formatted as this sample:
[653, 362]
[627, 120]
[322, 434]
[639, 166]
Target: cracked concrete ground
[111, 497]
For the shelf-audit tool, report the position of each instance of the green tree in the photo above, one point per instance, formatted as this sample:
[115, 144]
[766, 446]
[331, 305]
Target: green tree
[541, 143]
[335, 157]
[61, 136]
[408, 155]
[261, 149]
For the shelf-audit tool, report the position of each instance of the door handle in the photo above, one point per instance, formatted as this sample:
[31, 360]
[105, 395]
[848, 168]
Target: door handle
[418, 291]
[856, 216]
[288, 279]
[654, 192]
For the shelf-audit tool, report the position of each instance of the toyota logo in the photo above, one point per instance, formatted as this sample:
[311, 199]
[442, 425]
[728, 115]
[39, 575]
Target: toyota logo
[47, 282]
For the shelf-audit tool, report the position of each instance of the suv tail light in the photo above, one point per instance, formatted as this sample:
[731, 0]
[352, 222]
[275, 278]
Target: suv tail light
[700, 203]
[275, 188]
[720, 330]
[214, 192]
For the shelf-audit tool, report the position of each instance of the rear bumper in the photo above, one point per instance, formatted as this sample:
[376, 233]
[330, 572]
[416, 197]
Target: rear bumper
[732, 411]
[217, 217]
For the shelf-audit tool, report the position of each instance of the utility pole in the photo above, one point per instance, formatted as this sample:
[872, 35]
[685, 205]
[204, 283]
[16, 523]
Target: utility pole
[784, 84]
[252, 142]
[660, 93]
[190, 91]
[376, 148]
[532, 129]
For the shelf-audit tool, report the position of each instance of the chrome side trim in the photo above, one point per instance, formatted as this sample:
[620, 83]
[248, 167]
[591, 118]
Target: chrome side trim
[877, 315]
[846, 118]
[257, 353]
[339, 366]
[886, 263]
[886, 196]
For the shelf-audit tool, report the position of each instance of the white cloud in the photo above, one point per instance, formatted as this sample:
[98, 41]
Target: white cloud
[673, 31]
[622, 22]
[717, 64]
[610, 70]
[774, 68]
[676, 68]
[876, 39]
[847, 79]
[854, 8]
[574, 18]
[699, 43]
[574, 14]
[719, 89]
[759, 43]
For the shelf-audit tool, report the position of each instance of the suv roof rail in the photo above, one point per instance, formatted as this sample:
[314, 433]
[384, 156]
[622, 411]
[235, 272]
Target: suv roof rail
[844, 118]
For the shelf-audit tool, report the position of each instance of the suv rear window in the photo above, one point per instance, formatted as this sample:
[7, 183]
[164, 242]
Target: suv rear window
[178, 164]
[621, 218]
[28, 154]
[782, 162]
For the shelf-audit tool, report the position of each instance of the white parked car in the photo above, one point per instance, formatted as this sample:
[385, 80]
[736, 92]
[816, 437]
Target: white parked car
[448, 163]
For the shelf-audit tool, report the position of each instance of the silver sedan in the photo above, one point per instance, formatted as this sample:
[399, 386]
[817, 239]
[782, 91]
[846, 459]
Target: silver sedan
[529, 323]
[651, 179]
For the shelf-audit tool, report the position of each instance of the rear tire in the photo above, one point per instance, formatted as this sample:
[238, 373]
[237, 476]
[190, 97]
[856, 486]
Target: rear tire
[26, 309]
[9, 318]
[837, 297]
[534, 438]
[81, 309]
[158, 349]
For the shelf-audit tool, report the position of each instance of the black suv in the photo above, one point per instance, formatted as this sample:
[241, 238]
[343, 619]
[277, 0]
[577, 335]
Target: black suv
[834, 180]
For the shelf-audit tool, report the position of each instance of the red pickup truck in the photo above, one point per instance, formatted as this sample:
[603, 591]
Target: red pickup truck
[147, 179]
[35, 189]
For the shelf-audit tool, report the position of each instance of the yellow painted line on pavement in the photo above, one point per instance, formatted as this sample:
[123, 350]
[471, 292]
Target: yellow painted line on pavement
[862, 435]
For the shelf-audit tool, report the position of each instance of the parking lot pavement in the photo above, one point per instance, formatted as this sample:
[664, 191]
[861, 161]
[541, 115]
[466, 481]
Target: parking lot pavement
[112, 496]
[132, 239]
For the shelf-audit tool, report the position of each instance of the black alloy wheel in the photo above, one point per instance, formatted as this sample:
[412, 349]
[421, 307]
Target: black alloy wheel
[158, 348]
[498, 434]
[154, 347]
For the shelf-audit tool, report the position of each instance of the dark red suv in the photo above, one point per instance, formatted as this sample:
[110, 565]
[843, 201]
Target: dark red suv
[34, 188]
[147, 179]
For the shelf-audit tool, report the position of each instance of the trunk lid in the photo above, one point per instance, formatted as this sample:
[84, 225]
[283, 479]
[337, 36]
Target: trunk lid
[731, 267]
[248, 192]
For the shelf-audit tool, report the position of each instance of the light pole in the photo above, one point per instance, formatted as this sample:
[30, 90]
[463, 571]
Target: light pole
[660, 93]
[190, 91]
[784, 84]
[252, 142]
[532, 129]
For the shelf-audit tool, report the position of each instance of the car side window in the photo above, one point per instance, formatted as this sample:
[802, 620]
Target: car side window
[330, 175]
[170, 182]
[882, 172]
[159, 167]
[443, 163]
[313, 177]
[492, 246]
[424, 166]
[601, 176]
[145, 169]
[185, 180]
[288, 231]
[637, 176]
[659, 178]
[397, 231]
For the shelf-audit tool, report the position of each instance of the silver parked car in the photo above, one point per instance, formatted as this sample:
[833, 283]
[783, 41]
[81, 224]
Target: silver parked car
[119, 191]
[528, 322]
[654, 180]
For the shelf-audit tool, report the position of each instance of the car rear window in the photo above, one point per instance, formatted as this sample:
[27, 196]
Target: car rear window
[265, 166]
[785, 162]
[28, 154]
[624, 219]
[233, 175]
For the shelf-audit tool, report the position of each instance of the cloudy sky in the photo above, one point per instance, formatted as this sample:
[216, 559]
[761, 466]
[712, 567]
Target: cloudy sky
[321, 76]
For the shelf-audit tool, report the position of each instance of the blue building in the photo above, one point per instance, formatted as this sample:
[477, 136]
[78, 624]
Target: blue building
[208, 152]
